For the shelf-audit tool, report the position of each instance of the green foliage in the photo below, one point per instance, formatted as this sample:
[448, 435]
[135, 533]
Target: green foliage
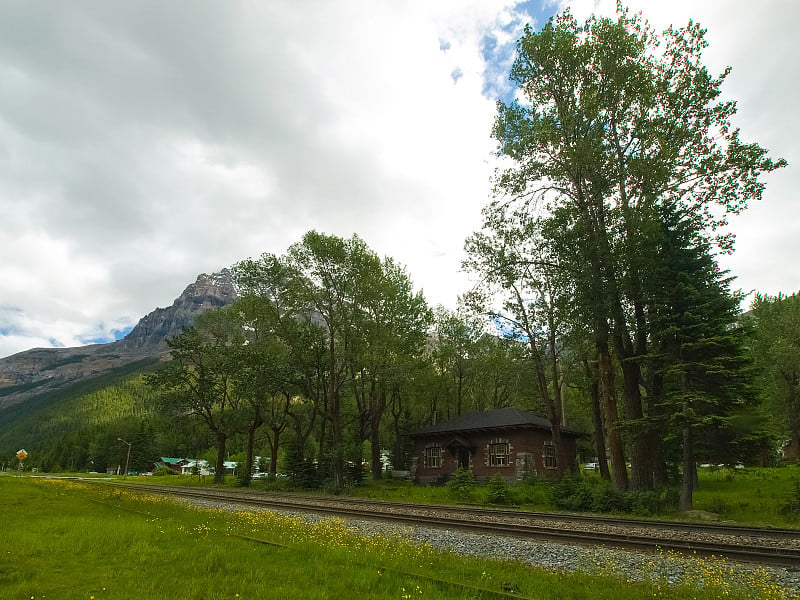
[243, 476]
[621, 134]
[776, 352]
[462, 485]
[114, 399]
[163, 471]
[498, 491]
[596, 495]
[78, 429]
[303, 473]
[791, 507]
[297, 560]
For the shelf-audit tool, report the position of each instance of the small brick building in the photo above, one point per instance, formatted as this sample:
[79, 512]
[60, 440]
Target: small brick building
[509, 442]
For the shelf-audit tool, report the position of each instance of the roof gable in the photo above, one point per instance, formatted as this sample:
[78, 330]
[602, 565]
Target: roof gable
[502, 418]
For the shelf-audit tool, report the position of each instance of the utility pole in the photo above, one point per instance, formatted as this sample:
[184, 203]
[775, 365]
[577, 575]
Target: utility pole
[127, 460]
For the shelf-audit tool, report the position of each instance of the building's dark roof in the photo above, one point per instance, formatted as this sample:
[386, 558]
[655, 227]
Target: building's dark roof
[502, 418]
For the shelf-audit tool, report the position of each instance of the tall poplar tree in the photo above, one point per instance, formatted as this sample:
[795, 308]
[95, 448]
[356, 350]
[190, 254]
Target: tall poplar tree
[613, 121]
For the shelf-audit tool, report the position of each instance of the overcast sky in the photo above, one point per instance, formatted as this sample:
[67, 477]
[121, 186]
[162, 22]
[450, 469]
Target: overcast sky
[143, 143]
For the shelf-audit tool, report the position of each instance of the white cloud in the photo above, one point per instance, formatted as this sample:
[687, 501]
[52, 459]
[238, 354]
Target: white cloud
[759, 42]
[142, 144]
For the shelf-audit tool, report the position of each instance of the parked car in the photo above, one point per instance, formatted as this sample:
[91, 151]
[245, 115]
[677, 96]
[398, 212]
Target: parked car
[592, 466]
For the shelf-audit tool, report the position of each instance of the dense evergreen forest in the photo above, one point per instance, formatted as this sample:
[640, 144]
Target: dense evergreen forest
[600, 303]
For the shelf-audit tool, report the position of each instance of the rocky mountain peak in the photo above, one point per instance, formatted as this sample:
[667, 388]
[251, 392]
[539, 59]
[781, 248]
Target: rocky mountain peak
[208, 291]
[27, 374]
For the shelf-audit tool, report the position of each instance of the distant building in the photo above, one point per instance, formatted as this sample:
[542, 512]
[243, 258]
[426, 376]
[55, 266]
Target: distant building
[507, 442]
[195, 467]
[176, 464]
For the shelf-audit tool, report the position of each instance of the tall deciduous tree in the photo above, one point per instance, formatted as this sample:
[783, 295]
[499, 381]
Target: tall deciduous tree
[519, 290]
[270, 372]
[612, 122]
[455, 339]
[199, 381]
[393, 325]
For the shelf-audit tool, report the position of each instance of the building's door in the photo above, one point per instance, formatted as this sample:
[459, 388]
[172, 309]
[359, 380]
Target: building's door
[463, 458]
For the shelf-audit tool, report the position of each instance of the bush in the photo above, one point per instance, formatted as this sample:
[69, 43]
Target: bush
[462, 484]
[791, 507]
[597, 495]
[354, 473]
[304, 474]
[243, 475]
[499, 492]
[163, 470]
[275, 484]
[653, 502]
[534, 490]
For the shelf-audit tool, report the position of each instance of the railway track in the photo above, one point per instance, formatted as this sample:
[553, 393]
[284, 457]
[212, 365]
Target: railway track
[765, 546]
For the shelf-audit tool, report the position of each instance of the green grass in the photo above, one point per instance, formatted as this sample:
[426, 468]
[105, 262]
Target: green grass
[64, 539]
[753, 496]
[750, 495]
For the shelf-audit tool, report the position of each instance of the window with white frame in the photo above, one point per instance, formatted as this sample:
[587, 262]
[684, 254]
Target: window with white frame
[549, 455]
[433, 457]
[499, 453]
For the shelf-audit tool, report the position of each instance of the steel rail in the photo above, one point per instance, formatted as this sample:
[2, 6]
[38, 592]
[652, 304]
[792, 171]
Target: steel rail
[720, 528]
[765, 555]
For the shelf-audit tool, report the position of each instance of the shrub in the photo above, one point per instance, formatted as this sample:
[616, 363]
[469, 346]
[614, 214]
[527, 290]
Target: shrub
[653, 502]
[163, 470]
[243, 475]
[305, 475]
[354, 473]
[606, 498]
[597, 495]
[499, 492]
[791, 507]
[275, 484]
[462, 484]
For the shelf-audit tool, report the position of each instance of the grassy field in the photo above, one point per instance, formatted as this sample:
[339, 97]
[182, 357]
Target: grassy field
[756, 496]
[63, 539]
[751, 495]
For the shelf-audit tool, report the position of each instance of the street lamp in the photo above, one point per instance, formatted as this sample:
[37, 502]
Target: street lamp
[127, 460]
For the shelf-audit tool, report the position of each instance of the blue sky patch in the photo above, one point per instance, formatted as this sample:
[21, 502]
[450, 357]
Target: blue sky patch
[121, 333]
[499, 56]
[508, 330]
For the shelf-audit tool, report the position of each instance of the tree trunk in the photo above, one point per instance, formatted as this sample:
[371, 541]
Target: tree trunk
[397, 410]
[375, 435]
[251, 436]
[641, 456]
[609, 403]
[337, 453]
[219, 472]
[687, 480]
[655, 398]
[597, 420]
[274, 444]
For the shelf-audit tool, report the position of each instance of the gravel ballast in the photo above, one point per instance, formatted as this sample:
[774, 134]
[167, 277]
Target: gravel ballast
[547, 555]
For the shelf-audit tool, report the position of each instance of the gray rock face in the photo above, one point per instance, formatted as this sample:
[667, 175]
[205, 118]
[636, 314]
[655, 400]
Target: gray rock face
[209, 291]
[33, 372]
